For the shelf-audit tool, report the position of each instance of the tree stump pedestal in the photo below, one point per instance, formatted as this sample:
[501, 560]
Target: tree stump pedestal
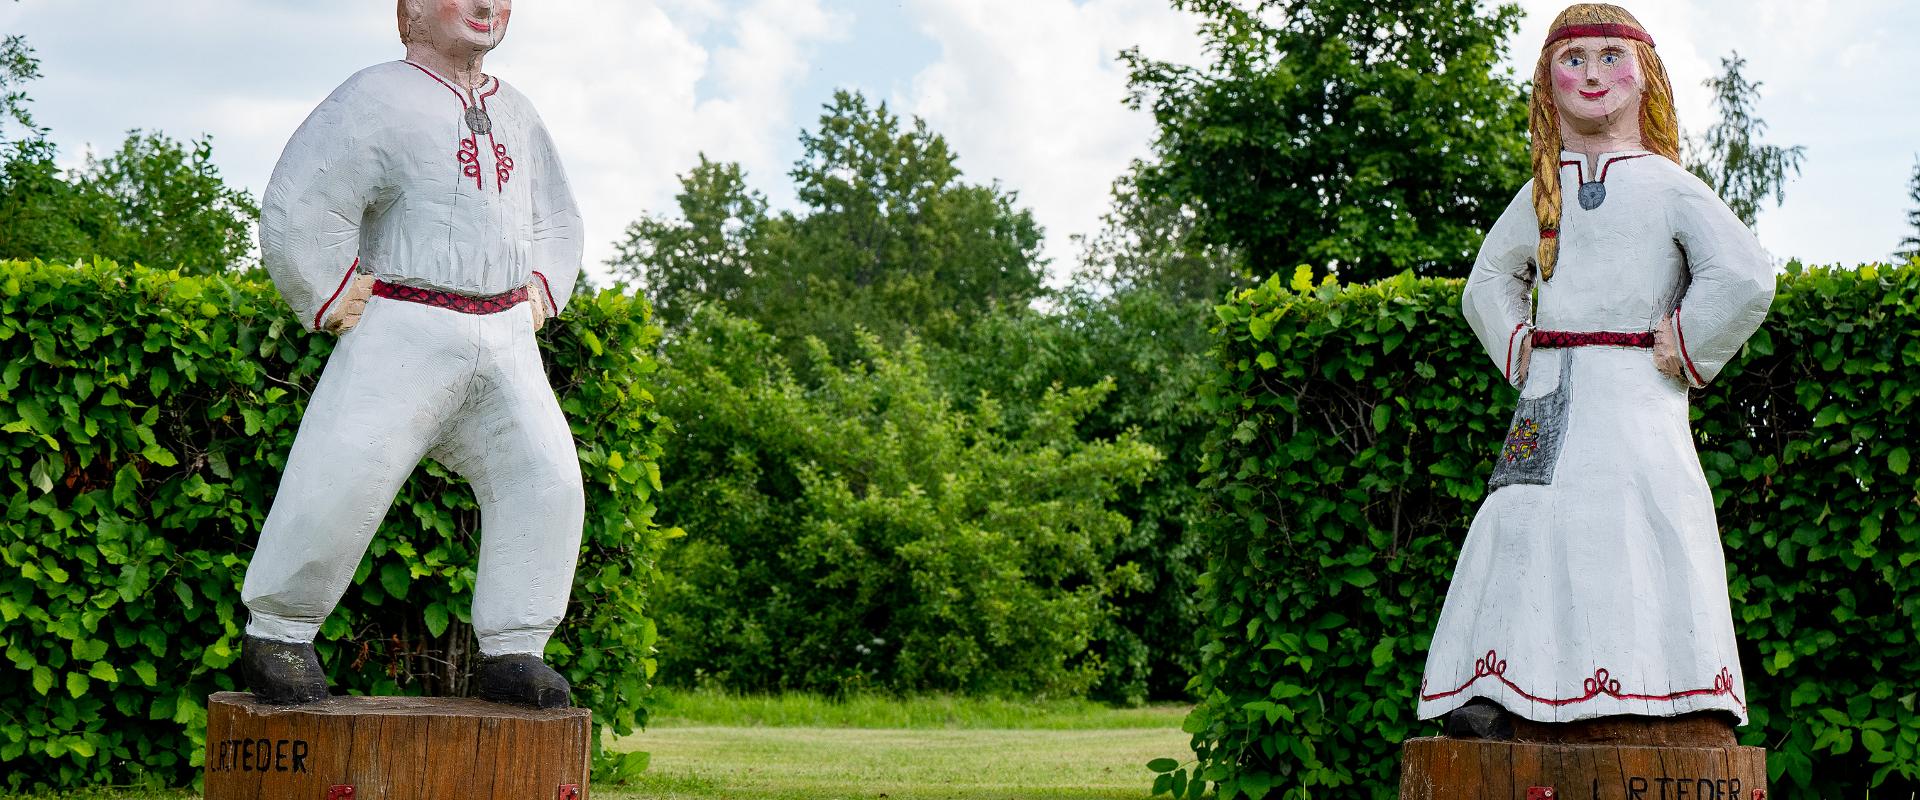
[1439, 768]
[394, 748]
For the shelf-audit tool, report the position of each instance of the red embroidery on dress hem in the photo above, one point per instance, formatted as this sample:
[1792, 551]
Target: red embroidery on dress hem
[322, 313]
[1602, 683]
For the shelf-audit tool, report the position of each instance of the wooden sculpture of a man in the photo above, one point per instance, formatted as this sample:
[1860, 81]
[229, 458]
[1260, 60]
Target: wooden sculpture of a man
[421, 214]
[1592, 582]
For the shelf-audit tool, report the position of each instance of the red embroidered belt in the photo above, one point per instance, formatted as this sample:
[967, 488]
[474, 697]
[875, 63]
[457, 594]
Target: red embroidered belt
[465, 304]
[1551, 339]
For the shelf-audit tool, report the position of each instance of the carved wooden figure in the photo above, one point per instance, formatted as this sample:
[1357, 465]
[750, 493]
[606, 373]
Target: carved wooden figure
[422, 215]
[1592, 582]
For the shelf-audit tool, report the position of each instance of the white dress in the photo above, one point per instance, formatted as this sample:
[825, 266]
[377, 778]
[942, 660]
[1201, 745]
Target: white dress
[1594, 584]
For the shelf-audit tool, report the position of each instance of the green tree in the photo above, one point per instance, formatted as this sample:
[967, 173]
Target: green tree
[1148, 243]
[708, 254]
[1372, 138]
[1910, 246]
[1731, 158]
[859, 529]
[155, 201]
[888, 238]
[17, 66]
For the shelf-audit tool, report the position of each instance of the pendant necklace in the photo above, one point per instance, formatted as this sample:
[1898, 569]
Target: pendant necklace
[481, 124]
[1592, 194]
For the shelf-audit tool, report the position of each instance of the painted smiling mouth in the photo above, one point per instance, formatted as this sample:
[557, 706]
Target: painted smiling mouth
[1594, 95]
[483, 27]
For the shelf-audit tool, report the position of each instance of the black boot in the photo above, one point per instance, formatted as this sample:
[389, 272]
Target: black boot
[521, 679]
[282, 673]
[1480, 718]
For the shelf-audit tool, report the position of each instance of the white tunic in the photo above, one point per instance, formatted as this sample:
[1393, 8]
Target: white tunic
[1604, 591]
[386, 175]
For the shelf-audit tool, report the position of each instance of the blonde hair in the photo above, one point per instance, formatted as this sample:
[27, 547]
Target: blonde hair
[1659, 127]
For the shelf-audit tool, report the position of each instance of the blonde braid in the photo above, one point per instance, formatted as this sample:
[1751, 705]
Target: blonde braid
[1545, 124]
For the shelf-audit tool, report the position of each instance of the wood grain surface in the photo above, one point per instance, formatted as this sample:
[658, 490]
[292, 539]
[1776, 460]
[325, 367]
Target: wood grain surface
[1470, 769]
[393, 748]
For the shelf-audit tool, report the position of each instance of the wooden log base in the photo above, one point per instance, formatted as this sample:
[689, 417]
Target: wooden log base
[394, 748]
[1439, 768]
[1699, 729]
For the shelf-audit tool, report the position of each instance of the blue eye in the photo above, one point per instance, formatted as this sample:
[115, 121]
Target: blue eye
[1610, 59]
[1575, 61]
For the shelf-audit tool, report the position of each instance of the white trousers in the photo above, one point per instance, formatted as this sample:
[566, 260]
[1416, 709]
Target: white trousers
[412, 381]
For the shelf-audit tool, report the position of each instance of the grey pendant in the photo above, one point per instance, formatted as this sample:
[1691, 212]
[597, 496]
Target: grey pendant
[1592, 194]
[481, 125]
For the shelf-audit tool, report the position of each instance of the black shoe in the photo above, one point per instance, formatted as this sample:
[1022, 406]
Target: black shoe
[282, 673]
[1480, 719]
[521, 679]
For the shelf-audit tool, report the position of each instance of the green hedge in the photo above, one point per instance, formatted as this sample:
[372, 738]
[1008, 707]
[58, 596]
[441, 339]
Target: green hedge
[146, 417]
[1355, 429]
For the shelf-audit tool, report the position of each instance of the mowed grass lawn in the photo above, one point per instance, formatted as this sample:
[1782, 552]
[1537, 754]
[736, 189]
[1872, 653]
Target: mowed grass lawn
[709, 745]
[805, 747]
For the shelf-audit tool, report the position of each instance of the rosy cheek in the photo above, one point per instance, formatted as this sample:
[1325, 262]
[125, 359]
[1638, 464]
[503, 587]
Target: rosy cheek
[1628, 74]
[1566, 79]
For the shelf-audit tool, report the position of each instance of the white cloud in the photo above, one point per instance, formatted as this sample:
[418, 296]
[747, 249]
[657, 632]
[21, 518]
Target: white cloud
[633, 90]
[633, 98]
[1030, 92]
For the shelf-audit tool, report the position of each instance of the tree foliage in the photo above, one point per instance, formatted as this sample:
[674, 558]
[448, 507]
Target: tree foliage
[888, 239]
[1151, 345]
[154, 201]
[1731, 158]
[1147, 243]
[859, 530]
[18, 66]
[1370, 137]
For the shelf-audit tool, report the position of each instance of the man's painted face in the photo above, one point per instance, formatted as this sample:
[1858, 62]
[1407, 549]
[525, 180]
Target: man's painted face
[462, 25]
[1596, 81]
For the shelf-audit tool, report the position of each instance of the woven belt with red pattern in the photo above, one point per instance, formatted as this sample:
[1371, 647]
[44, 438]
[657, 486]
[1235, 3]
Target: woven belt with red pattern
[1544, 340]
[465, 304]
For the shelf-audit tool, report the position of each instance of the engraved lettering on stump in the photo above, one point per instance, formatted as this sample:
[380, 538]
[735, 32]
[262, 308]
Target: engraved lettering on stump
[396, 748]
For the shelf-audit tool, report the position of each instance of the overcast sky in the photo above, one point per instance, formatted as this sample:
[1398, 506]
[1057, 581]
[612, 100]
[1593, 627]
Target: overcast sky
[1028, 91]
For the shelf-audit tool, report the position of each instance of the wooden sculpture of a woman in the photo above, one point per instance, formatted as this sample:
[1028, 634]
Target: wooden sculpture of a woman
[1592, 582]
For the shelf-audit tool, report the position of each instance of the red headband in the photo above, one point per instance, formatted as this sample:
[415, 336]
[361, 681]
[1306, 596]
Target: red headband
[1613, 30]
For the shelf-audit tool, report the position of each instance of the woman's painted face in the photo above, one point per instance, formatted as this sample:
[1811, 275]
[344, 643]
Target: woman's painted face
[465, 25]
[1596, 82]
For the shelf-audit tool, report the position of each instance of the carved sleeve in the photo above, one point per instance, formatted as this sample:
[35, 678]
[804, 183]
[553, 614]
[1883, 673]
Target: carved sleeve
[310, 216]
[1731, 286]
[1498, 300]
[557, 237]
